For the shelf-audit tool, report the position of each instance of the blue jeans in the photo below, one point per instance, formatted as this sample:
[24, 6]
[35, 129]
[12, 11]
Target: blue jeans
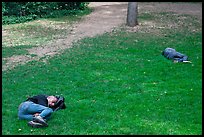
[27, 109]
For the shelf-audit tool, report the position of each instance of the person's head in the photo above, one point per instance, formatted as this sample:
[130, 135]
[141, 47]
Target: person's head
[51, 100]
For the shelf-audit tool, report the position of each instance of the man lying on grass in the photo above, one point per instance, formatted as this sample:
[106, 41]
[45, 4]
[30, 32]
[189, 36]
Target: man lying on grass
[172, 54]
[38, 109]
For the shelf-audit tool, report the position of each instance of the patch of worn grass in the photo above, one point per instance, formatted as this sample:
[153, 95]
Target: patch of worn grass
[155, 23]
[40, 31]
[36, 33]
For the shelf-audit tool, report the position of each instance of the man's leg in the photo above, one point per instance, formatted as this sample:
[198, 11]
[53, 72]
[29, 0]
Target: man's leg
[27, 109]
[22, 111]
[42, 110]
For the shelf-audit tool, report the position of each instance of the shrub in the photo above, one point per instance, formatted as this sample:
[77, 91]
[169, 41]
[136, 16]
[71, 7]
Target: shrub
[16, 12]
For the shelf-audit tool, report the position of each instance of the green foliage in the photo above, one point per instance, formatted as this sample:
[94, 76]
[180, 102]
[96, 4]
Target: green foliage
[14, 19]
[16, 12]
[4, 10]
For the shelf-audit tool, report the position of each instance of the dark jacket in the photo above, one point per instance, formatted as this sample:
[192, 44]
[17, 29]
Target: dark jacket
[39, 99]
[42, 100]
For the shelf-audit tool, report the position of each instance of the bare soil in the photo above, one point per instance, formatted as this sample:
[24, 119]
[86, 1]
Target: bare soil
[105, 18]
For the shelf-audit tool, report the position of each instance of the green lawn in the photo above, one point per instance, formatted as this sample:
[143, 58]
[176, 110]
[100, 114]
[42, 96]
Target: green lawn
[117, 83]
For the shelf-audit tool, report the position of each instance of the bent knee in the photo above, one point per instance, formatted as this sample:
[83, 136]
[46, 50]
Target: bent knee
[49, 109]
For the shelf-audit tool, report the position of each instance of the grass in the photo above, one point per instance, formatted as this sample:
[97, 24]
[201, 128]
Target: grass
[19, 50]
[117, 83]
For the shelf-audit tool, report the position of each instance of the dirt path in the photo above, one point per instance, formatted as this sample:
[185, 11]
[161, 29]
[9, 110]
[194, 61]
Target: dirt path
[105, 17]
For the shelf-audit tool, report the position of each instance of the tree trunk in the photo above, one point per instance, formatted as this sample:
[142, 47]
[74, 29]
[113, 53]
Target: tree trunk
[132, 14]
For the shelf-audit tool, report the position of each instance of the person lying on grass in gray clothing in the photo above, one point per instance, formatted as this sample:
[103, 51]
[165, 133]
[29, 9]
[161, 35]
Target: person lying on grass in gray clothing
[38, 109]
[172, 54]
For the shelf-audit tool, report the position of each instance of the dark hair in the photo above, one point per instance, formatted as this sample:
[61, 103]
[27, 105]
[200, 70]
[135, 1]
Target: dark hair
[60, 104]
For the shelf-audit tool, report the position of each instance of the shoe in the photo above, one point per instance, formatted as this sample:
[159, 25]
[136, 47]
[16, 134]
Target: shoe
[35, 124]
[40, 120]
